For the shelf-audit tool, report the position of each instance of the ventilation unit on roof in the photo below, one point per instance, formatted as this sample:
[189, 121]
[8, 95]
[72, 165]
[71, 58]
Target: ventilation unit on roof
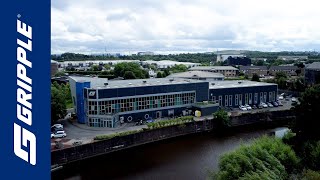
[144, 81]
[171, 79]
[239, 82]
[213, 84]
[106, 84]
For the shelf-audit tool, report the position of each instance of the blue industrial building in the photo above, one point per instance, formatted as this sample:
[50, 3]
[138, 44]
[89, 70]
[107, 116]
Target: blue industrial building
[106, 103]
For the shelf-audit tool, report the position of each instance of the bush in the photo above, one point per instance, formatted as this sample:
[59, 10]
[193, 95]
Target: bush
[265, 158]
[119, 134]
[311, 175]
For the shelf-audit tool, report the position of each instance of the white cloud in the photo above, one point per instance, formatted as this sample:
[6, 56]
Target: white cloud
[88, 26]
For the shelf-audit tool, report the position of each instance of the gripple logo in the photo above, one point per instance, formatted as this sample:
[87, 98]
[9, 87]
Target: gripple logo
[24, 94]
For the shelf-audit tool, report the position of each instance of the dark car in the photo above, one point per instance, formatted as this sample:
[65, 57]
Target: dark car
[54, 129]
[254, 107]
[149, 120]
[260, 106]
[275, 104]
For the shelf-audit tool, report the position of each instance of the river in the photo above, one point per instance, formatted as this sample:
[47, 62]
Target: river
[188, 157]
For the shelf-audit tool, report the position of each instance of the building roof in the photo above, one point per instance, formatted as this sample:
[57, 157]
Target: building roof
[114, 84]
[236, 84]
[242, 68]
[208, 68]
[196, 74]
[314, 65]
[168, 62]
[283, 68]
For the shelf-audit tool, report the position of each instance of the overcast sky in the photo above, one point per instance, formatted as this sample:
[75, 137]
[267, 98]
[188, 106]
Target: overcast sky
[128, 26]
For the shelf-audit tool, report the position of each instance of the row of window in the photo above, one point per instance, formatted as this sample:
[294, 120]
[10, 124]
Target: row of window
[140, 103]
[249, 98]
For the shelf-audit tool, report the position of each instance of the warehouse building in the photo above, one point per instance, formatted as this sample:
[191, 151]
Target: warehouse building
[227, 71]
[102, 103]
[235, 93]
[200, 75]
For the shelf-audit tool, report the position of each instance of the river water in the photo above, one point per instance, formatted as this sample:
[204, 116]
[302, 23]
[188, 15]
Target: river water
[188, 157]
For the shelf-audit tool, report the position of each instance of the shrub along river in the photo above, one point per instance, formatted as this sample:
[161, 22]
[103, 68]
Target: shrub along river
[187, 157]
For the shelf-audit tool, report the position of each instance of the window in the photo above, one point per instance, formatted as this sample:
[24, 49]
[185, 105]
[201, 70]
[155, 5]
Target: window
[230, 100]
[220, 100]
[265, 97]
[236, 100]
[226, 100]
[261, 97]
[270, 96]
[255, 98]
[240, 99]
[246, 98]
[250, 98]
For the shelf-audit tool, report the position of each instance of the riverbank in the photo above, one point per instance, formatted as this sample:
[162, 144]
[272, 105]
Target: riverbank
[184, 157]
[96, 148]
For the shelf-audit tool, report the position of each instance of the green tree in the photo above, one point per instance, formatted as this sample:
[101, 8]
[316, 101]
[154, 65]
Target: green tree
[95, 68]
[222, 119]
[265, 158]
[121, 68]
[307, 113]
[159, 74]
[58, 104]
[255, 77]
[59, 74]
[166, 73]
[280, 74]
[129, 75]
[179, 68]
[107, 66]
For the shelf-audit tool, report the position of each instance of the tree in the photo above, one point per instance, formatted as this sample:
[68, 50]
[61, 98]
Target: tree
[58, 104]
[179, 68]
[59, 74]
[307, 112]
[222, 119]
[280, 74]
[121, 68]
[265, 158]
[129, 75]
[95, 68]
[255, 77]
[166, 73]
[159, 75]
[107, 66]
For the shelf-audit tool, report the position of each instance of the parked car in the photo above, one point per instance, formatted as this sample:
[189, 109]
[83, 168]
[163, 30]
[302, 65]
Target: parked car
[279, 103]
[149, 120]
[243, 108]
[55, 129]
[280, 98]
[254, 107]
[260, 106]
[58, 134]
[264, 105]
[57, 126]
[269, 105]
[275, 104]
[248, 107]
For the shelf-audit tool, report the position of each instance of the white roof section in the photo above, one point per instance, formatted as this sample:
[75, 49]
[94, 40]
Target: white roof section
[169, 63]
[212, 68]
[237, 84]
[196, 74]
[99, 83]
[96, 62]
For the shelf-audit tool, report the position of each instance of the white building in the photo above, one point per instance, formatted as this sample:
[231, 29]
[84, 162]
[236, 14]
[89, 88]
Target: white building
[167, 63]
